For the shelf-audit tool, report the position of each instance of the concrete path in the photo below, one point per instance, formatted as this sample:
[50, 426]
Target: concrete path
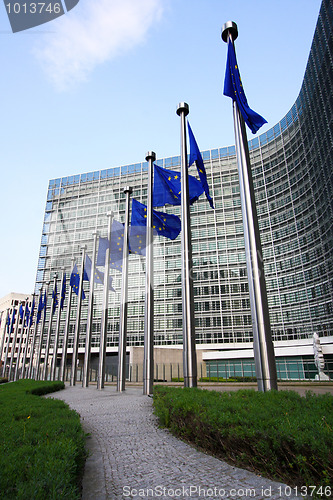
[130, 457]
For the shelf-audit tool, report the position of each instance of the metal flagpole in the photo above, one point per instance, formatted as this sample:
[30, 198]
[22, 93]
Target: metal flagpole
[49, 330]
[77, 322]
[148, 350]
[34, 337]
[262, 336]
[189, 351]
[87, 354]
[123, 301]
[66, 333]
[27, 338]
[56, 337]
[3, 341]
[41, 335]
[104, 323]
[20, 342]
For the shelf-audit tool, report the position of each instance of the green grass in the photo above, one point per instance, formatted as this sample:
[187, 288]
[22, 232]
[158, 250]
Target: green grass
[42, 444]
[280, 435]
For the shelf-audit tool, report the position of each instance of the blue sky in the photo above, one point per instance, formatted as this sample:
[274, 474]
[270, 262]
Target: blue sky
[99, 87]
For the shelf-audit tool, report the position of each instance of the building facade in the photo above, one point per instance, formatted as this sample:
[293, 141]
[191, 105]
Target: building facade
[293, 179]
[14, 342]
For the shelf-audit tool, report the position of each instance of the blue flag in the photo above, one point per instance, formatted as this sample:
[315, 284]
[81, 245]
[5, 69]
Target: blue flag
[27, 315]
[137, 240]
[32, 312]
[40, 308]
[195, 157]
[8, 322]
[233, 88]
[167, 225]
[55, 299]
[21, 311]
[13, 321]
[117, 243]
[167, 187]
[63, 292]
[98, 275]
[75, 282]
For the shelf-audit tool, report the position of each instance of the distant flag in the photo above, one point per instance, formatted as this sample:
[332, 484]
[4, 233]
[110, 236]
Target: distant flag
[167, 187]
[75, 282]
[21, 311]
[55, 298]
[63, 292]
[27, 315]
[195, 157]
[233, 88]
[40, 308]
[116, 250]
[12, 321]
[31, 317]
[8, 322]
[167, 225]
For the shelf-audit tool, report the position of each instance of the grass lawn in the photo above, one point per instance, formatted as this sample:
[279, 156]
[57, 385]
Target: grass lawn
[280, 435]
[42, 443]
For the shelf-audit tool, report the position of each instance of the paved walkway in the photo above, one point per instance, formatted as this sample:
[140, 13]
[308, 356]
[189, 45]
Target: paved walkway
[131, 457]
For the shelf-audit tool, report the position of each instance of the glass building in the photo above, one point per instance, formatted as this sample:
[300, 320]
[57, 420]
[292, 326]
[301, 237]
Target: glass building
[293, 179]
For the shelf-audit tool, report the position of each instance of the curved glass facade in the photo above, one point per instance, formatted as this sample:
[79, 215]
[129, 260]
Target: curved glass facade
[292, 171]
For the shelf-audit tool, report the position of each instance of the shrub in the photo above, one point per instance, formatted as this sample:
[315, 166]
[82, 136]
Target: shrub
[43, 444]
[277, 434]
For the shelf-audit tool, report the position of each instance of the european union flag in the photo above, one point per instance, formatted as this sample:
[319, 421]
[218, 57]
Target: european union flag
[8, 322]
[167, 187]
[137, 239]
[32, 312]
[40, 308]
[233, 88]
[75, 282]
[27, 315]
[13, 321]
[55, 298]
[117, 244]
[195, 157]
[21, 311]
[167, 225]
[63, 292]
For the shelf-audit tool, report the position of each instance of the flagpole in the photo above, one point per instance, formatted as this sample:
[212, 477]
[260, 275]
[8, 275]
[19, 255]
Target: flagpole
[3, 341]
[148, 350]
[27, 338]
[123, 300]
[66, 332]
[32, 349]
[189, 351]
[56, 337]
[49, 330]
[41, 335]
[20, 342]
[262, 337]
[87, 354]
[77, 322]
[104, 323]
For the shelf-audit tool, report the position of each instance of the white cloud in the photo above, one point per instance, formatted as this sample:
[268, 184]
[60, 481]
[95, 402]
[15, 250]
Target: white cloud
[93, 32]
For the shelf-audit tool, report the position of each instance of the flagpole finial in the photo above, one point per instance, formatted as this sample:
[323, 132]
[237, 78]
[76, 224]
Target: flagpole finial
[183, 107]
[128, 189]
[151, 155]
[229, 27]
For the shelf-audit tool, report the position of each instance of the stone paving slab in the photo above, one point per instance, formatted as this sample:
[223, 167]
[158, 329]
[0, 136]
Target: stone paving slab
[131, 457]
